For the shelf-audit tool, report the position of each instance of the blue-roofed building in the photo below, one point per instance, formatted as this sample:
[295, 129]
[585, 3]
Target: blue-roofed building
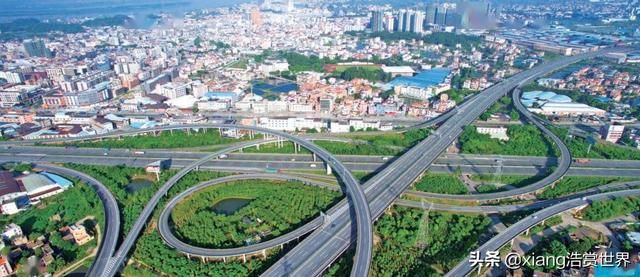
[61, 181]
[424, 85]
[143, 125]
[42, 185]
[424, 79]
[603, 99]
[541, 97]
[222, 95]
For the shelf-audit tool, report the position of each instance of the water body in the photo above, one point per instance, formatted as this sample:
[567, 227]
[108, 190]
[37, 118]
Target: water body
[614, 271]
[273, 86]
[565, 72]
[139, 9]
[137, 185]
[230, 206]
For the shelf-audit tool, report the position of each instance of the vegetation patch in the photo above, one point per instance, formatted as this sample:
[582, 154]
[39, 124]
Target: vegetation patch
[389, 144]
[579, 148]
[415, 243]
[131, 204]
[573, 184]
[607, 209]
[79, 204]
[270, 209]
[441, 183]
[175, 139]
[524, 140]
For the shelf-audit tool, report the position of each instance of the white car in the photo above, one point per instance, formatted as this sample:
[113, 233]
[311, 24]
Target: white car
[313, 165]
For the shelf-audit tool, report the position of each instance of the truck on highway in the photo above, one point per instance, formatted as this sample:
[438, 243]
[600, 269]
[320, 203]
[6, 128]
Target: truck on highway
[581, 161]
[138, 152]
[272, 170]
[223, 156]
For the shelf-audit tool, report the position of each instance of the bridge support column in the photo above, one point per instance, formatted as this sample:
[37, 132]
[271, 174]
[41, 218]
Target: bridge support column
[240, 150]
[281, 246]
[328, 169]
[314, 157]
[264, 254]
[513, 241]
[171, 131]
[295, 148]
[526, 232]
[224, 259]
[258, 146]
[244, 258]
[188, 256]
[203, 259]
[197, 168]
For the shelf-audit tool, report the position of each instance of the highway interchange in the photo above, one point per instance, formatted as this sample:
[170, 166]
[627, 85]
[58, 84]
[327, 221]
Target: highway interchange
[352, 221]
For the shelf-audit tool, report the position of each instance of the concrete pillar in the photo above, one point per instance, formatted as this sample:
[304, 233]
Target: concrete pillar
[240, 150]
[258, 146]
[264, 254]
[171, 131]
[197, 168]
[202, 259]
[188, 256]
[513, 241]
[314, 157]
[526, 232]
[295, 148]
[328, 169]
[224, 259]
[244, 258]
[220, 131]
[281, 246]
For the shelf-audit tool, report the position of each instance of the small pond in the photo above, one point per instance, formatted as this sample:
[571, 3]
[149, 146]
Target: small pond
[137, 185]
[230, 206]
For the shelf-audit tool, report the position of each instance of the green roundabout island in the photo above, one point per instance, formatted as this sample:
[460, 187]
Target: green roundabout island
[245, 212]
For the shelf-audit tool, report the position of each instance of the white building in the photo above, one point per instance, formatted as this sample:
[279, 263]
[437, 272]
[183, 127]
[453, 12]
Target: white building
[612, 133]
[568, 109]
[274, 66]
[10, 231]
[172, 90]
[300, 108]
[291, 123]
[355, 124]
[213, 105]
[494, 132]
[277, 106]
[11, 77]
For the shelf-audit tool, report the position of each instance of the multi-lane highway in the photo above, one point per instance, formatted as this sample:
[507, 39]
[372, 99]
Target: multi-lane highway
[468, 164]
[464, 267]
[321, 248]
[170, 239]
[111, 213]
[324, 245]
[353, 189]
